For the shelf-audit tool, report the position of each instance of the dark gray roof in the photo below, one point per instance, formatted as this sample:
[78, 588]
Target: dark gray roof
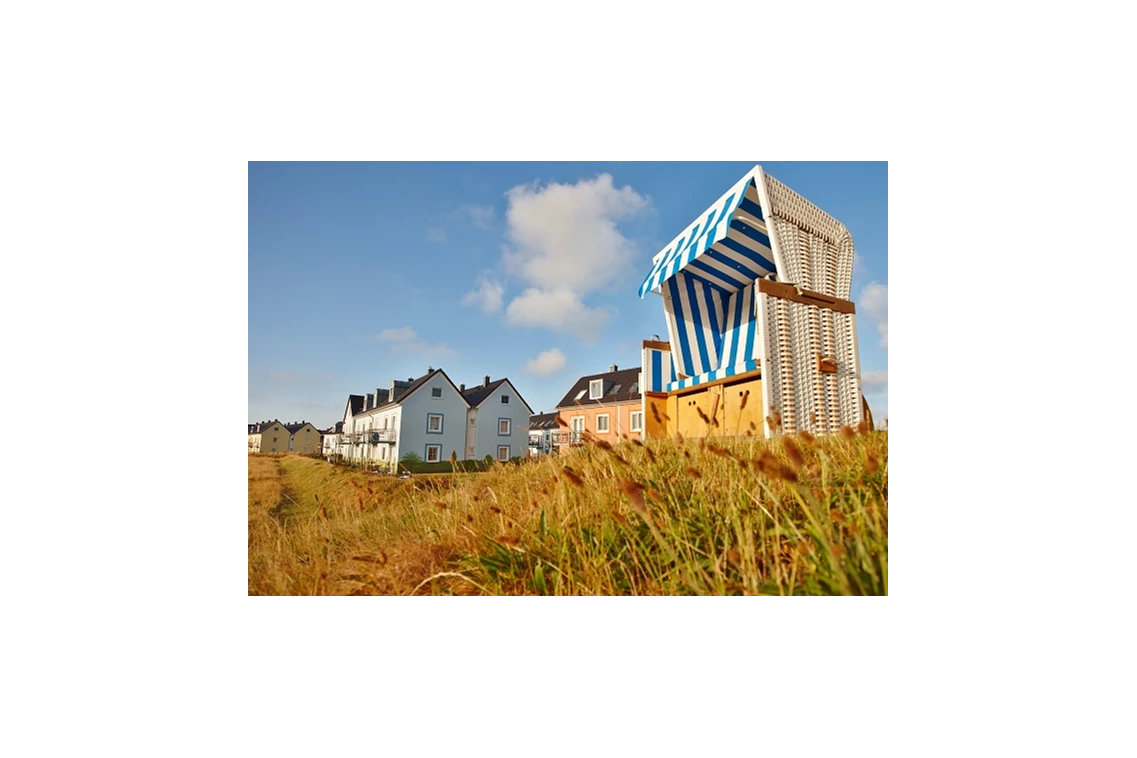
[625, 379]
[542, 421]
[294, 428]
[414, 385]
[356, 403]
[475, 395]
[260, 426]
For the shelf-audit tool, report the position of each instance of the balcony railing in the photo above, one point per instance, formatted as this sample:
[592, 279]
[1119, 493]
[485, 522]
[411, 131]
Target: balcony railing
[372, 437]
[567, 438]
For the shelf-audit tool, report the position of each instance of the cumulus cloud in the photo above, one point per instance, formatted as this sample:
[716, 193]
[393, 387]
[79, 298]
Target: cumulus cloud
[873, 302]
[874, 381]
[560, 310]
[487, 294]
[546, 363]
[563, 242]
[395, 335]
[435, 234]
[565, 235]
[481, 216]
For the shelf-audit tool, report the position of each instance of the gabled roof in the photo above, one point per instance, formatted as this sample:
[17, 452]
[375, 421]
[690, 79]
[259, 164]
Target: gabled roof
[260, 426]
[475, 396]
[294, 428]
[625, 379]
[410, 390]
[355, 402]
[542, 421]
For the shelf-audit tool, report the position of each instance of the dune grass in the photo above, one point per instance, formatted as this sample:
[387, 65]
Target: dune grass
[741, 516]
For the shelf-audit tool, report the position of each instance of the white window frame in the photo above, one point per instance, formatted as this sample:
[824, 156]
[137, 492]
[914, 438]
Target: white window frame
[593, 392]
[508, 427]
[634, 427]
[507, 450]
[607, 426]
[434, 447]
[505, 399]
[436, 389]
[430, 416]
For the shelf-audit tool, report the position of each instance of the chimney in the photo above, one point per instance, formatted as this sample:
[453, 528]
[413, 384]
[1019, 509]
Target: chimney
[486, 381]
[461, 388]
[366, 402]
[612, 369]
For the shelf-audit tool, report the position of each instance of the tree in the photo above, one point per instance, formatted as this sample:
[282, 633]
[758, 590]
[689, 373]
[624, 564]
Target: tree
[409, 461]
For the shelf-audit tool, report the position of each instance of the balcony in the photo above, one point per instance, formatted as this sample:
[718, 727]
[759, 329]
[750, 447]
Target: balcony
[371, 437]
[567, 438]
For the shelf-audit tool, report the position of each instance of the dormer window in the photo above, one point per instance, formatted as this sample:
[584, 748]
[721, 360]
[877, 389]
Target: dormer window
[596, 389]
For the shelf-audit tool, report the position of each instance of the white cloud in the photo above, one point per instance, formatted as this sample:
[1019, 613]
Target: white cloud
[874, 381]
[873, 302]
[436, 234]
[395, 335]
[564, 235]
[559, 310]
[563, 242]
[546, 363]
[482, 216]
[488, 295]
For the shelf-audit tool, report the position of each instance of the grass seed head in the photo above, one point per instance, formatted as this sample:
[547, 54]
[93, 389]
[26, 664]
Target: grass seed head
[793, 452]
[694, 472]
[634, 493]
[848, 433]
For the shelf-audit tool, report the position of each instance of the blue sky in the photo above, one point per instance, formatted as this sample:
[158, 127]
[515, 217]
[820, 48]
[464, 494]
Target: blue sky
[360, 273]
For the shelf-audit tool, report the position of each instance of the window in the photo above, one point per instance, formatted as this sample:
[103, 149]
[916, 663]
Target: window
[579, 395]
[307, 440]
[637, 421]
[503, 452]
[433, 453]
[596, 389]
[434, 423]
[615, 389]
[436, 392]
[602, 423]
[633, 388]
[503, 427]
[505, 399]
[274, 439]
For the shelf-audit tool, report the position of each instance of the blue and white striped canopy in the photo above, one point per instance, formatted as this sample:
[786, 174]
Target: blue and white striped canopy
[726, 248]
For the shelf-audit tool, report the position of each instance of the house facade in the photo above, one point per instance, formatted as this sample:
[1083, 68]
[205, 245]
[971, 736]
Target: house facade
[607, 406]
[542, 429]
[303, 437]
[268, 437]
[435, 419]
[497, 421]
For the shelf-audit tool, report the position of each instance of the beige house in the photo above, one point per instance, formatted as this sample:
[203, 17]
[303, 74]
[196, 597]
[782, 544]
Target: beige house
[303, 437]
[268, 437]
[606, 406]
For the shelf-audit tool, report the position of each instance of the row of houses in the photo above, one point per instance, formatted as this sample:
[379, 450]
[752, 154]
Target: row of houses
[436, 419]
[277, 437]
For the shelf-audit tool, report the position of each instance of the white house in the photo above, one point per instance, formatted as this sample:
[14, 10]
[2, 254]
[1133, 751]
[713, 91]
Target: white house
[542, 429]
[497, 422]
[433, 418]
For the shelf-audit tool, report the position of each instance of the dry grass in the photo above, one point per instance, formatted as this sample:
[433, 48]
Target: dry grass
[729, 516]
